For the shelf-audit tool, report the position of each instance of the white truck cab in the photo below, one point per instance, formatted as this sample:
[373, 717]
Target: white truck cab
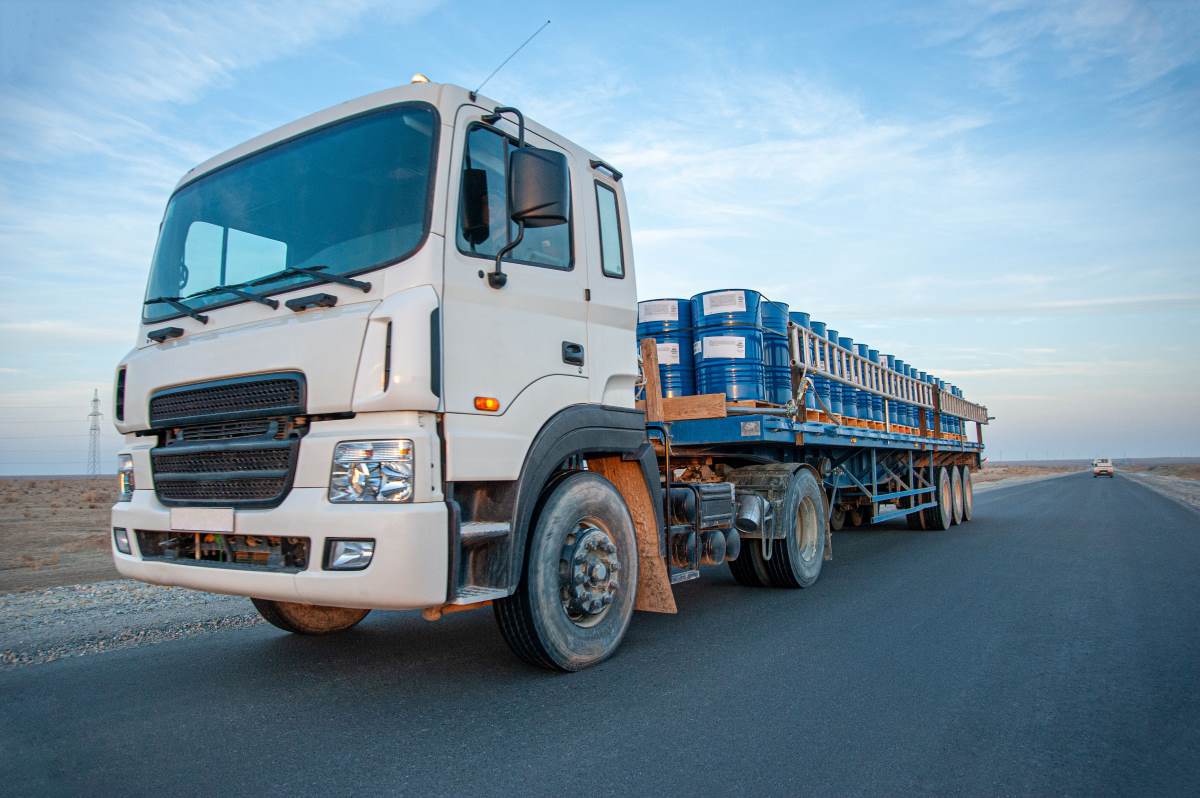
[371, 338]
[1102, 467]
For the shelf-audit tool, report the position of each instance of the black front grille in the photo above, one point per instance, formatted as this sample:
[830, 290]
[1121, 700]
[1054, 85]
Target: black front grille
[259, 395]
[228, 443]
[225, 493]
[197, 462]
[228, 430]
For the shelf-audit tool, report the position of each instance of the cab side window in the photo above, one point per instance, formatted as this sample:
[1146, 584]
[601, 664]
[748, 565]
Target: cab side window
[612, 259]
[484, 227]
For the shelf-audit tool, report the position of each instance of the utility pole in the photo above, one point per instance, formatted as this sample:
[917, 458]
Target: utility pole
[94, 435]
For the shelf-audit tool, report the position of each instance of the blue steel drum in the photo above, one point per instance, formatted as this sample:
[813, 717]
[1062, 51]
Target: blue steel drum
[802, 319]
[821, 384]
[777, 357]
[864, 396]
[669, 322]
[900, 409]
[876, 399]
[835, 388]
[849, 392]
[889, 361]
[728, 344]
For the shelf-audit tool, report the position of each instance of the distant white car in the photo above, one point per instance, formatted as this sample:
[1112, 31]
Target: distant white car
[1102, 467]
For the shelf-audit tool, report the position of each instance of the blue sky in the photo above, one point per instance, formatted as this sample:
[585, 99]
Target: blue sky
[1005, 193]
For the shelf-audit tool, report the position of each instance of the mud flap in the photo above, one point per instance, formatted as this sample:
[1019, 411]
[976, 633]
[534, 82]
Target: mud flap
[654, 592]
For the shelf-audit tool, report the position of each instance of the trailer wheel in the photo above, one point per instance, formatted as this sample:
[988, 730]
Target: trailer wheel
[915, 520]
[750, 569]
[968, 490]
[307, 619]
[796, 558]
[837, 518]
[575, 599]
[956, 495]
[940, 517]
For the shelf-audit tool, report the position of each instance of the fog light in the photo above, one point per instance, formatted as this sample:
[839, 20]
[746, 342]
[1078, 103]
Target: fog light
[121, 537]
[348, 555]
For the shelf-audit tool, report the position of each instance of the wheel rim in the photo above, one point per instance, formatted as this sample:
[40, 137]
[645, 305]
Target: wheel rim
[807, 530]
[587, 573]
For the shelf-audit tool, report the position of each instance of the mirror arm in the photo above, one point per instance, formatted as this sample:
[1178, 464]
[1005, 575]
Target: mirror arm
[497, 278]
[494, 117]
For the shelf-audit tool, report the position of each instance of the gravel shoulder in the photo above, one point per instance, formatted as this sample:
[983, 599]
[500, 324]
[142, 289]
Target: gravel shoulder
[76, 620]
[1182, 489]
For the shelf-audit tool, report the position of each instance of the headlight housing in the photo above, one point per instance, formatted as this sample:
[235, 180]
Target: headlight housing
[372, 471]
[124, 477]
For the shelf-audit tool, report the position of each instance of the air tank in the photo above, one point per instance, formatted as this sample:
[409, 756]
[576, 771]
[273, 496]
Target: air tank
[728, 344]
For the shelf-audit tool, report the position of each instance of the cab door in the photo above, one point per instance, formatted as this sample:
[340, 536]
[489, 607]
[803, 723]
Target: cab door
[612, 311]
[500, 341]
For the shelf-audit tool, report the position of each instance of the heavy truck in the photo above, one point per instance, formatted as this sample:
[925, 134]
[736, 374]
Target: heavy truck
[387, 360]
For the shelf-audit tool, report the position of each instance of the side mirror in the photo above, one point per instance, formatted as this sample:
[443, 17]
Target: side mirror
[539, 187]
[539, 195]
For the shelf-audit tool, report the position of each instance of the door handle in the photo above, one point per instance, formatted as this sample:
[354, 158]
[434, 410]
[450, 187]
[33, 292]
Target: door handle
[572, 353]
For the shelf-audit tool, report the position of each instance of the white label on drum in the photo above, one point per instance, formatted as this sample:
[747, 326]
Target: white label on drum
[668, 354]
[725, 302]
[724, 346]
[695, 347]
[659, 310]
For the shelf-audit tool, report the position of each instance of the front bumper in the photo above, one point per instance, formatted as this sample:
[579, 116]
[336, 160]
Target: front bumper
[409, 569]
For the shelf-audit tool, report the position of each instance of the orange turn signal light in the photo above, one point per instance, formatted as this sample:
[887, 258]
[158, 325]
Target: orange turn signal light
[489, 403]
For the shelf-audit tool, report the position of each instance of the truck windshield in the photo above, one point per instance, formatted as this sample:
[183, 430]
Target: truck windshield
[346, 198]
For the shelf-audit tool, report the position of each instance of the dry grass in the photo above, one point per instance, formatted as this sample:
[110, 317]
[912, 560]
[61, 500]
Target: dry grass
[1182, 470]
[55, 531]
[998, 471]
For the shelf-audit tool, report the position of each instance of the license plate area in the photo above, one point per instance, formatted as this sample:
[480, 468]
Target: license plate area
[276, 553]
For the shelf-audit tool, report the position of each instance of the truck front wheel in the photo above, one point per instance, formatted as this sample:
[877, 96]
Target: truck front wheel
[796, 558]
[307, 619]
[575, 599]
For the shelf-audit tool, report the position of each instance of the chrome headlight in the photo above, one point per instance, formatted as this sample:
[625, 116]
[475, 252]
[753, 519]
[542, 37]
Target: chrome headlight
[124, 477]
[372, 471]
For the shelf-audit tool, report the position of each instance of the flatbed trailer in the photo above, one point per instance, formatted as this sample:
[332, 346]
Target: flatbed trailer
[867, 475]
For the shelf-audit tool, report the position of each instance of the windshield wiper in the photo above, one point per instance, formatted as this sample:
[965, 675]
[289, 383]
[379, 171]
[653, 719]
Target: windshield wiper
[314, 271]
[174, 302]
[237, 290]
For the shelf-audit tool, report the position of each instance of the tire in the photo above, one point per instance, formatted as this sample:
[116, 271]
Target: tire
[940, 517]
[558, 618]
[307, 619]
[837, 519]
[796, 558]
[915, 520]
[750, 569]
[858, 518]
[968, 489]
[956, 496]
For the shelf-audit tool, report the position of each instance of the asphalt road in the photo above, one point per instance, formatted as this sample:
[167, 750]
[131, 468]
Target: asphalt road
[1050, 646]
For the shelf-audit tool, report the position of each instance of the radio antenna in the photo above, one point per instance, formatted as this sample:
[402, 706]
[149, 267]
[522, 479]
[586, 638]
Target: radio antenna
[506, 60]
